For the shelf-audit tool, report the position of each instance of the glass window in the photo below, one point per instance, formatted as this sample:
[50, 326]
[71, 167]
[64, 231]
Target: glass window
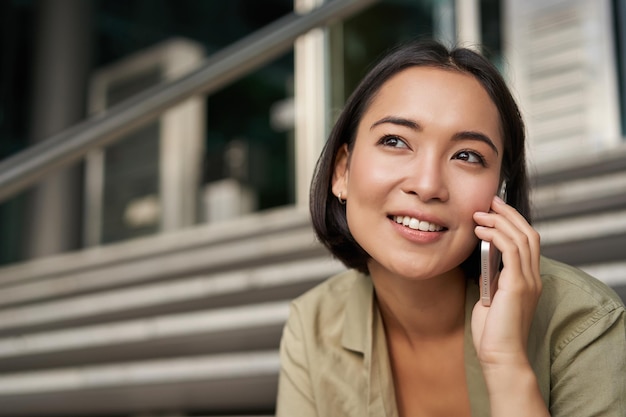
[249, 154]
[16, 63]
[357, 42]
[619, 23]
[247, 161]
[243, 150]
[491, 30]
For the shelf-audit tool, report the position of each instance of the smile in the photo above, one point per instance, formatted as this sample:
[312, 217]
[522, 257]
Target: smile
[416, 224]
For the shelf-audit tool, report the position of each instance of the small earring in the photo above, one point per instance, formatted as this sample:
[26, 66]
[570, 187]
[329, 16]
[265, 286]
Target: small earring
[341, 200]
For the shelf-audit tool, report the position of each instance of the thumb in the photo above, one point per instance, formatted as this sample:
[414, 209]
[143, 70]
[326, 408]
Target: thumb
[479, 317]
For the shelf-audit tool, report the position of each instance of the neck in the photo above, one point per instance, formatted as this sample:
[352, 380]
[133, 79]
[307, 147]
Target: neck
[422, 310]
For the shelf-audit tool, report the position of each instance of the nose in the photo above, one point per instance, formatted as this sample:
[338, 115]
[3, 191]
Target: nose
[426, 179]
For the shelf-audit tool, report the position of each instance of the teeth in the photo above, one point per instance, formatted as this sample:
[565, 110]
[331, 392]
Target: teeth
[416, 224]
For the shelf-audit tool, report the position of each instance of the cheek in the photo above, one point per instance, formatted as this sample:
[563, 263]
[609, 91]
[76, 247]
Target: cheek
[368, 176]
[475, 197]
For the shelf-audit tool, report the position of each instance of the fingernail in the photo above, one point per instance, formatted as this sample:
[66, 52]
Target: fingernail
[498, 200]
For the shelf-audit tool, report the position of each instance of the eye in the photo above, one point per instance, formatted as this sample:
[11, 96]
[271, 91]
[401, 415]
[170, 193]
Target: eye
[392, 141]
[470, 156]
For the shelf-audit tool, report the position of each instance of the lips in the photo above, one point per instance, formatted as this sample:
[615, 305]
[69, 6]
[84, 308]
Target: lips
[417, 224]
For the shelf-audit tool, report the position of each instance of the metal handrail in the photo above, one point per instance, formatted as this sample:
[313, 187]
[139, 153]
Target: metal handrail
[233, 62]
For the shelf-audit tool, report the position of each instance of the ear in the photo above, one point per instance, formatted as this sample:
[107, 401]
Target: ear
[340, 173]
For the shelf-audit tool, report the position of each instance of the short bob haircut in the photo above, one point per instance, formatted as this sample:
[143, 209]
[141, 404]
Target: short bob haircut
[329, 215]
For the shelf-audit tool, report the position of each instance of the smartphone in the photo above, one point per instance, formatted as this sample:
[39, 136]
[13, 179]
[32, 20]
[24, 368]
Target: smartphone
[490, 260]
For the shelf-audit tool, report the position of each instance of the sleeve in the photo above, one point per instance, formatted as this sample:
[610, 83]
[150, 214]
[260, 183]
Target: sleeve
[295, 392]
[589, 372]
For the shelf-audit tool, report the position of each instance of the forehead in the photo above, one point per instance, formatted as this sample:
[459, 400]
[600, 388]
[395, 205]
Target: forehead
[445, 96]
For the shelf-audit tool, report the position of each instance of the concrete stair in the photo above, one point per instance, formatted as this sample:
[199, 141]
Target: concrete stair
[182, 322]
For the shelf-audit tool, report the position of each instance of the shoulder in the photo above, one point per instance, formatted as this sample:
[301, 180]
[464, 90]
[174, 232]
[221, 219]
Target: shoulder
[574, 306]
[565, 283]
[318, 319]
[316, 354]
[578, 343]
[328, 299]
[337, 284]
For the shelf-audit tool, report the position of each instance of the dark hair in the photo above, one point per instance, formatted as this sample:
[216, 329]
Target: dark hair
[329, 216]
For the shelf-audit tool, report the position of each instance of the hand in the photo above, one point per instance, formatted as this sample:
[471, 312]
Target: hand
[500, 331]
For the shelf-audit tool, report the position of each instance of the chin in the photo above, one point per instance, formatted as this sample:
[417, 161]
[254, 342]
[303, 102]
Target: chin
[413, 271]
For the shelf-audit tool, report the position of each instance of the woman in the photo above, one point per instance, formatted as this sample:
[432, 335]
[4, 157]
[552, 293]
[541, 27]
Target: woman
[402, 193]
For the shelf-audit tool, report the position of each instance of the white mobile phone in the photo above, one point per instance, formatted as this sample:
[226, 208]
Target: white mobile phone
[490, 258]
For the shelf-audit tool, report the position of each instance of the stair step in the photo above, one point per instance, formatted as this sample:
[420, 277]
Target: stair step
[211, 382]
[242, 328]
[163, 266]
[277, 281]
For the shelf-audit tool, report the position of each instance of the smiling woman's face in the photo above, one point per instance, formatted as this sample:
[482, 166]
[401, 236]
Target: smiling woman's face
[427, 156]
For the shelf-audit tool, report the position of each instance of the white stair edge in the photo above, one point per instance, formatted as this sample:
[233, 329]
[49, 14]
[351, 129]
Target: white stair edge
[209, 367]
[163, 266]
[147, 330]
[183, 289]
[582, 227]
[203, 235]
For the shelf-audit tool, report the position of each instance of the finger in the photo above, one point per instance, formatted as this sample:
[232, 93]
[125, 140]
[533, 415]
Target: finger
[516, 253]
[511, 214]
[511, 222]
[513, 256]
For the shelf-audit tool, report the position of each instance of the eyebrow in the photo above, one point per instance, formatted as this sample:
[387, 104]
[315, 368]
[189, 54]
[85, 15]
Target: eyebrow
[477, 136]
[459, 136]
[397, 121]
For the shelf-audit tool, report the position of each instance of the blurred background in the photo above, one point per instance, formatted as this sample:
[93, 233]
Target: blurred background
[155, 157]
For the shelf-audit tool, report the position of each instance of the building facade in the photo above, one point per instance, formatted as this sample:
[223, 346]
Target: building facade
[151, 275]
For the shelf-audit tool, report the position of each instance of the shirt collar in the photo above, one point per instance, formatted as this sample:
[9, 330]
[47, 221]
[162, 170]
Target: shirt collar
[358, 336]
[363, 333]
[358, 322]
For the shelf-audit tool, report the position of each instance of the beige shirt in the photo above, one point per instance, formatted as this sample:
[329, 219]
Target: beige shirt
[334, 359]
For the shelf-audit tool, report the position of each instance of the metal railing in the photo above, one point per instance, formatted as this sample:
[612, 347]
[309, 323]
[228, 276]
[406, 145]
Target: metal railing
[233, 62]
